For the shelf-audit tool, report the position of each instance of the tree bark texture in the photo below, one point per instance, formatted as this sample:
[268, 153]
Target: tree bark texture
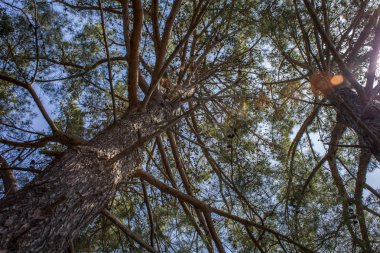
[361, 116]
[51, 210]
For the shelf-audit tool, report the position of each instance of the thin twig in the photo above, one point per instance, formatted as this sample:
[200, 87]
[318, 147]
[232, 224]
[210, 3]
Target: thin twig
[207, 208]
[108, 60]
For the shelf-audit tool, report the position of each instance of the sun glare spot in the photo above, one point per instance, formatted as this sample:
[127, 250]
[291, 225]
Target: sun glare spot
[244, 108]
[337, 80]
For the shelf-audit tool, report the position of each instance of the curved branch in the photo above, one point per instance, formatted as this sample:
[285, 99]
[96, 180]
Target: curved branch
[364, 159]
[36, 99]
[207, 208]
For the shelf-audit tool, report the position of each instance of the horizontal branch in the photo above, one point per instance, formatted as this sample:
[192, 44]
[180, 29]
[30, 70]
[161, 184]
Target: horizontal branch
[58, 137]
[33, 170]
[209, 209]
[88, 8]
[28, 144]
[86, 67]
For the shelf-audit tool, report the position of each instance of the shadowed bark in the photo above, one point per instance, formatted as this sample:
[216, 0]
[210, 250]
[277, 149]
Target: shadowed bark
[50, 211]
[361, 116]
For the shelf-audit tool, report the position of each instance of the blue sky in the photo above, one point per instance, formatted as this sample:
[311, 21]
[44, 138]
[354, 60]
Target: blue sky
[373, 178]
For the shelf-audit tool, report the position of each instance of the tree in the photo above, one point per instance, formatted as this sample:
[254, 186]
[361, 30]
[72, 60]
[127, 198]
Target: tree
[339, 47]
[196, 99]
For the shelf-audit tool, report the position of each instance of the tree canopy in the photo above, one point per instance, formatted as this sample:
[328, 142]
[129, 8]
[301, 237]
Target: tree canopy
[189, 126]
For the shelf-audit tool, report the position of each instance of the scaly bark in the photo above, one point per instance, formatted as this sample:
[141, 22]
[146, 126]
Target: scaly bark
[53, 208]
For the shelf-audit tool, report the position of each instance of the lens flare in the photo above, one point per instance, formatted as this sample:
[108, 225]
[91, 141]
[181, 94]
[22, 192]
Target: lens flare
[337, 80]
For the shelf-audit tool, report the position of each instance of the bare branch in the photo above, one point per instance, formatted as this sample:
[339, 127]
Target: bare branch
[134, 52]
[206, 208]
[371, 73]
[127, 231]
[108, 60]
[36, 99]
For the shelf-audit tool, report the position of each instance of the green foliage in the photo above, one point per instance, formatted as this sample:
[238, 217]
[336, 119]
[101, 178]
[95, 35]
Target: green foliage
[6, 26]
[72, 120]
[254, 95]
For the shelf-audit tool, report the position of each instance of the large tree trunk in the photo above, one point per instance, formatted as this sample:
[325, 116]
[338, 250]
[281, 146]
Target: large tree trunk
[50, 211]
[361, 116]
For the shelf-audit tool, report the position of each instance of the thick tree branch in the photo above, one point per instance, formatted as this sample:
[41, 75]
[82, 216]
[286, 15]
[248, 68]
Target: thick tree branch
[155, 25]
[337, 133]
[206, 208]
[365, 121]
[155, 81]
[32, 170]
[331, 47]
[36, 99]
[207, 226]
[374, 58]
[364, 159]
[134, 52]
[169, 174]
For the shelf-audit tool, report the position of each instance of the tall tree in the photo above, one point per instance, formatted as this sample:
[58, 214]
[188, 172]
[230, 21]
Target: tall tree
[171, 121]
